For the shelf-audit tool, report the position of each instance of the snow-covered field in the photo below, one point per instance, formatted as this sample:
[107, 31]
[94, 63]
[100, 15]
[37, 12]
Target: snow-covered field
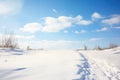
[60, 65]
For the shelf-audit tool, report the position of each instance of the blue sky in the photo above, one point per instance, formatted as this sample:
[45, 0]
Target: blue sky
[61, 24]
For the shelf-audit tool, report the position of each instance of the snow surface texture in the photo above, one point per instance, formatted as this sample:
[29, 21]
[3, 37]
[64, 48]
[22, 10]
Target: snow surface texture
[60, 65]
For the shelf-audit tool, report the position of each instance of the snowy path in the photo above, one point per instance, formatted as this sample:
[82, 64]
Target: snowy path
[84, 70]
[91, 69]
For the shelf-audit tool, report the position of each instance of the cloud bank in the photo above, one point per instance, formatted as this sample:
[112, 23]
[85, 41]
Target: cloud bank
[52, 24]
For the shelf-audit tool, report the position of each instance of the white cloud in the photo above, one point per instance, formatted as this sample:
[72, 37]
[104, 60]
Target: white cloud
[65, 31]
[52, 24]
[116, 27]
[95, 39]
[54, 10]
[83, 31]
[114, 20]
[102, 29]
[78, 32]
[84, 22]
[57, 24]
[31, 27]
[8, 7]
[79, 20]
[96, 15]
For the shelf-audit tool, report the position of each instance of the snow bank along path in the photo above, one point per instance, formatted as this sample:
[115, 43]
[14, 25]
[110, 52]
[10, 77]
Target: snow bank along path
[61, 65]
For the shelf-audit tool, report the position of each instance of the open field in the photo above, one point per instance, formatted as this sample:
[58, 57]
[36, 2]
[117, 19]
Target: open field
[60, 65]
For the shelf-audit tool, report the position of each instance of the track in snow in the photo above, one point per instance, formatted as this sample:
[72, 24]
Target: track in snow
[84, 70]
[91, 70]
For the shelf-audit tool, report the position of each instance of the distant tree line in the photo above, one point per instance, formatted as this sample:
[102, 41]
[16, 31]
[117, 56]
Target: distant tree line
[111, 45]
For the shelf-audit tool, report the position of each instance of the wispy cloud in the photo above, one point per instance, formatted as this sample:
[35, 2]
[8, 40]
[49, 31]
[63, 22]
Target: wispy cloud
[102, 29]
[95, 39]
[114, 20]
[65, 31]
[84, 22]
[54, 10]
[78, 32]
[10, 7]
[116, 27]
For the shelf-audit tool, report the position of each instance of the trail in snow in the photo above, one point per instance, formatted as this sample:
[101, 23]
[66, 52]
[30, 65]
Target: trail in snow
[84, 68]
[89, 69]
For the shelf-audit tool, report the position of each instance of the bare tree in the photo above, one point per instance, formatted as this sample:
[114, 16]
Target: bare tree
[98, 48]
[111, 45]
[85, 47]
[0, 41]
[8, 41]
[28, 48]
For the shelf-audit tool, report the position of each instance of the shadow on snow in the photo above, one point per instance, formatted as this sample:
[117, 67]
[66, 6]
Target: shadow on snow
[83, 71]
[6, 74]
